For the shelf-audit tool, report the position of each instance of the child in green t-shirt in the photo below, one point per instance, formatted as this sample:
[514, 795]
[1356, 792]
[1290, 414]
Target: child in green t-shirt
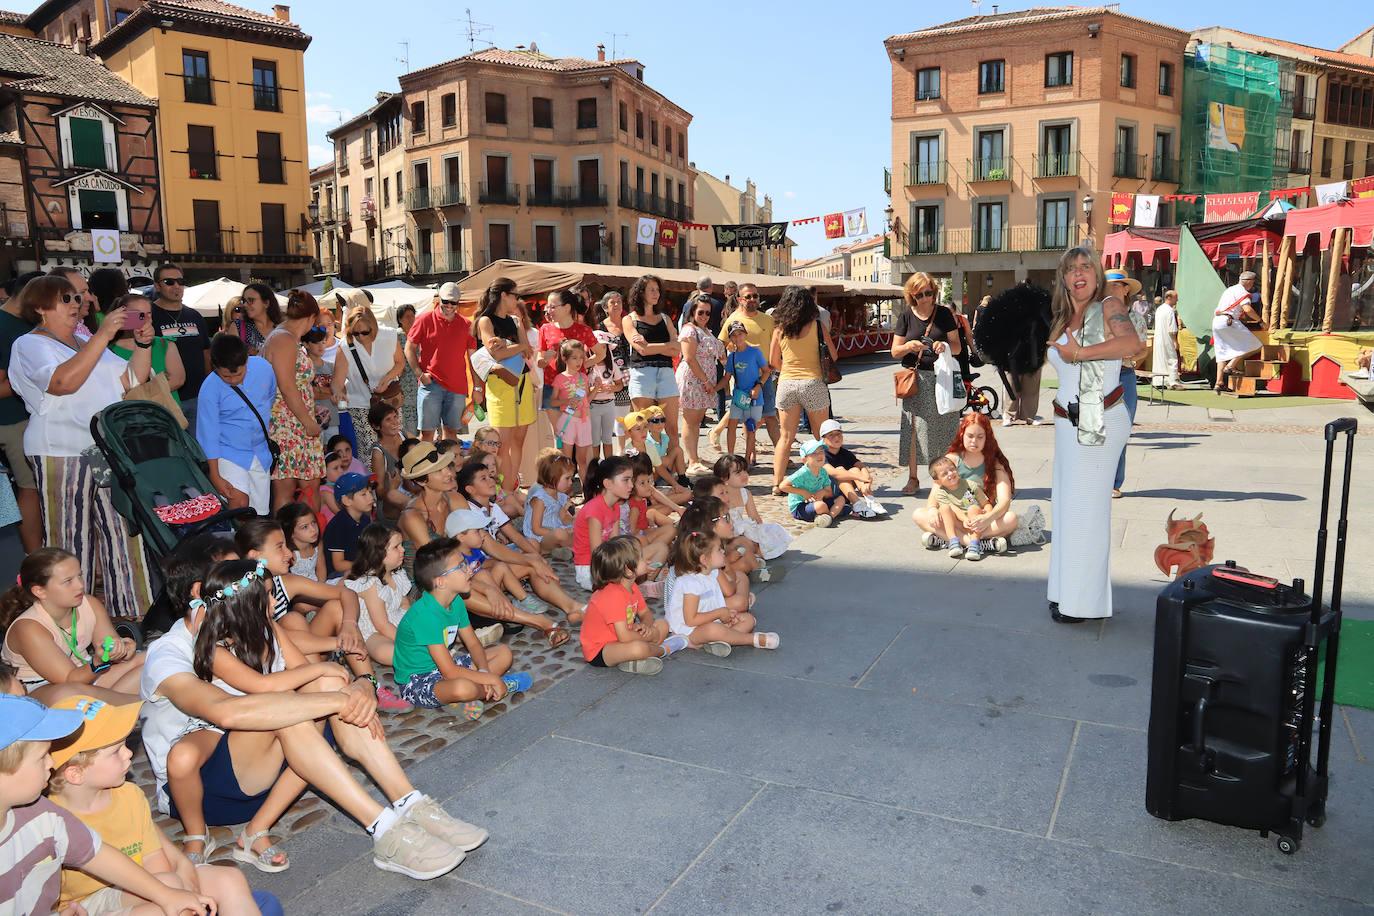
[427, 673]
[811, 495]
[959, 501]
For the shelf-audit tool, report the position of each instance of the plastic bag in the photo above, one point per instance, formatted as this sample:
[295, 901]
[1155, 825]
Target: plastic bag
[946, 370]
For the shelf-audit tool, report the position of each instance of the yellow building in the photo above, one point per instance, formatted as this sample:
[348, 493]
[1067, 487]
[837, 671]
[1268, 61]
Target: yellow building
[718, 201]
[230, 86]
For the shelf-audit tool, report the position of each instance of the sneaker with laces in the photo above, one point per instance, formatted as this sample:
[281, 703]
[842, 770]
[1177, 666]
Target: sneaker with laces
[408, 849]
[388, 701]
[674, 643]
[932, 541]
[993, 545]
[518, 683]
[439, 823]
[531, 605]
[824, 521]
[956, 550]
[973, 552]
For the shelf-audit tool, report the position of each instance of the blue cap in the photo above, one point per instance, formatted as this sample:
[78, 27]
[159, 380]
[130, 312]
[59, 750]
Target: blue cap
[813, 446]
[26, 719]
[348, 484]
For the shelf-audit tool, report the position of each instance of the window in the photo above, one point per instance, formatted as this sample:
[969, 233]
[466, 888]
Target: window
[639, 125]
[346, 203]
[1326, 156]
[200, 149]
[99, 209]
[455, 247]
[990, 164]
[1348, 164]
[88, 143]
[400, 190]
[667, 139]
[195, 75]
[541, 111]
[1128, 71]
[653, 132]
[274, 229]
[545, 243]
[1055, 223]
[367, 145]
[498, 241]
[1368, 159]
[586, 114]
[991, 223]
[1126, 161]
[1165, 166]
[386, 192]
[991, 76]
[927, 83]
[417, 117]
[265, 95]
[496, 108]
[1166, 79]
[929, 166]
[927, 236]
[1059, 69]
[270, 159]
[205, 217]
[448, 109]
[624, 117]
[121, 15]
[1057, 157]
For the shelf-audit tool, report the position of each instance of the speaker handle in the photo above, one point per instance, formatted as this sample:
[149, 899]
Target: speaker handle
[1200, 730]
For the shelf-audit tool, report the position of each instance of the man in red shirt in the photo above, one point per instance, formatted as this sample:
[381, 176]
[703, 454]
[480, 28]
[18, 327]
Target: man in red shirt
[439, 349]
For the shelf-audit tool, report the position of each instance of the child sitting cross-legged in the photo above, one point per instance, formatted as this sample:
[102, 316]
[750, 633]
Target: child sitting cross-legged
[303, 536]
[610, 483]
[382, 587]
[89, 780]
[548, 518]
[356, 502]
[639, 442]
[959, 501]
[619, 629]
[39, 838]
[811, 495]
[429, 673]
[767, 540]
[706, 605]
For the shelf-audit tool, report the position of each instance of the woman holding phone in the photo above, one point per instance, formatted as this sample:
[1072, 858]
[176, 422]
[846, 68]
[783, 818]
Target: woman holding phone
[137, 328]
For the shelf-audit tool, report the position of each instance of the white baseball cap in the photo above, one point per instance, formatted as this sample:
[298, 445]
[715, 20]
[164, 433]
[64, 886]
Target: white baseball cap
[830, 426]
[460, 520]
[449, 292]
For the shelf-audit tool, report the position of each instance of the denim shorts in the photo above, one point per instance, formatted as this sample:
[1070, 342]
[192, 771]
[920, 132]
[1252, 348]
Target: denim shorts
[753, 412]
[657, 383]
[770, 397]
[437, 406]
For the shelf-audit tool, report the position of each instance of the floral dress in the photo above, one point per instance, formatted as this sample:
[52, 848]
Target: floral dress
[302, 456]
[710, 354]
[410, 391]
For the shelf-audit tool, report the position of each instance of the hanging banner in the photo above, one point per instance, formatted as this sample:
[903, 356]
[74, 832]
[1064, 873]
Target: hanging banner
[752, 235]
[1225, 127]
[807, 221]
[1147, 210]
[1122, 204]
[105, 246]
[667, 233]
[834, 225]
[648, 230]
[1221, 208]
[856, 222]
[1362, 187]
[1331, 193]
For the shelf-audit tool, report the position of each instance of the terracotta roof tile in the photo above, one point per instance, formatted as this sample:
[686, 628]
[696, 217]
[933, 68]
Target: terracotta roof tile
[531, 60]
[1359, 61]
[40, 66]
[204, 12]
[13, 18]
[1032, 16]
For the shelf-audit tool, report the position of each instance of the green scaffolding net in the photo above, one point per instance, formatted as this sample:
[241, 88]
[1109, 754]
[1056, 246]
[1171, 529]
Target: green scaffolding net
[1236, 121]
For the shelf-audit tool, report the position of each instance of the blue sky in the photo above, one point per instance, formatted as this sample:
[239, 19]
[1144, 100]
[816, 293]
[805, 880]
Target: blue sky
[793, 95]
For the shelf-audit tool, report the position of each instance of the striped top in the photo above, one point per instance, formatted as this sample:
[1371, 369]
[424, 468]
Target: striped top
[35, 842]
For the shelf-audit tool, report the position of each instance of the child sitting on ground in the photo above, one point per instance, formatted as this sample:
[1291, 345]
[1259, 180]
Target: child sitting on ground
[89, 780]
[960, 501]
[548, 518]
[335, 466]
[609, 483]
[710, 516]
[811, 495]
[619, 629]
[302, 530]
[44, 838]
[487, 441]
[356, 502]
[844, 467]
[382, 588]
[748, 370]
[429, 674]
[673, 456]
[55, 633]
[705, 605]
[572, 397]
[638, 443]
[767, 540]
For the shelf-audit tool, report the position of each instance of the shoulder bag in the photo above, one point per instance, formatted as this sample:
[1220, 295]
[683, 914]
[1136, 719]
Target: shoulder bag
[830, 371]
[273, 448]
[387, 395]
[157, 391]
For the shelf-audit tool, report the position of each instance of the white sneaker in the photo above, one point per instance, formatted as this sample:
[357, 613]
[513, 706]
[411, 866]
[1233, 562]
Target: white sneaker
[824, 521]
[490, 636]
[1036, 421]
[1007, 420]
[993, 545]
[932, 541]
[410, 850]
[956, 550]
[437, 822]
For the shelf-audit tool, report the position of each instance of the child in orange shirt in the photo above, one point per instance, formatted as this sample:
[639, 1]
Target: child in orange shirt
[619, 629]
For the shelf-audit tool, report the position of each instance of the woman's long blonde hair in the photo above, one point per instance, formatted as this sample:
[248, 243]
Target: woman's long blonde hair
[1061, 304]
[359, 314]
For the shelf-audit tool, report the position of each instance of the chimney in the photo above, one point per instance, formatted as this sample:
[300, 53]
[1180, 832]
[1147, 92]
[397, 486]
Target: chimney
[601, 52]
[282, 12]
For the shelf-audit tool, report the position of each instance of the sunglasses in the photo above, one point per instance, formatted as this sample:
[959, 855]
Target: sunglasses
[320, 328]
[448, 303]
[69, 298]
[363, 334]
[659, 420]
[751, 297]
[173, 281]
[926, 294]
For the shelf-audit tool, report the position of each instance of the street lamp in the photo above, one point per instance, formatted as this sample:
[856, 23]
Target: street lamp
[603, 237]
[1088, 215]
[314, 210]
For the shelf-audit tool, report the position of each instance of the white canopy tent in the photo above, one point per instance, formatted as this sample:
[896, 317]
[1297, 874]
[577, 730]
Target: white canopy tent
[210, 298]
[316, 289]
[386, 299]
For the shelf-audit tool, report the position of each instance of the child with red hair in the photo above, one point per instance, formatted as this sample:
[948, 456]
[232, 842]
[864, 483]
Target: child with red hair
[980, 461]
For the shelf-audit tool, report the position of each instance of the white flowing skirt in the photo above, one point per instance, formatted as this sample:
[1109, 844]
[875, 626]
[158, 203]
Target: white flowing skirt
[1081, 515]
[1232, 340]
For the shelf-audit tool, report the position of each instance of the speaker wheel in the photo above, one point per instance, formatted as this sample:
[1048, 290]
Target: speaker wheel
[1288, 845]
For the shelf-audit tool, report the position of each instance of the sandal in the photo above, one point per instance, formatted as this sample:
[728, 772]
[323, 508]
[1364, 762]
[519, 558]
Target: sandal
[913, 485]
[208, 847]
[557, 636]
[766, 640]
[265, 860]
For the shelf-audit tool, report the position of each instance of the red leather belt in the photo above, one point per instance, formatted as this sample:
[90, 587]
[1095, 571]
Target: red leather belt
[1112, 397]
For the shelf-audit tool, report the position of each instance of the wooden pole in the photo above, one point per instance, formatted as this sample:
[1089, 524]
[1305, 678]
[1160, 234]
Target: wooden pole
[1266, 301]
[1333, 276]
[1287, 265]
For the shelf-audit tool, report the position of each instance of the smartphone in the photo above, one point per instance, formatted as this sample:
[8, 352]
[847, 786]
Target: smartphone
[134, 320]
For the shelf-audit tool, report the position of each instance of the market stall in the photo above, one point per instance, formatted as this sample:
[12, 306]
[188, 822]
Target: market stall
[1136, 246]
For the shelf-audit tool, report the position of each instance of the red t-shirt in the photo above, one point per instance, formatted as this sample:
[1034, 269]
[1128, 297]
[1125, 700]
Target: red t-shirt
[642, 506]
[443, 347]
[608, 516]
[610, 605]
[551, 337]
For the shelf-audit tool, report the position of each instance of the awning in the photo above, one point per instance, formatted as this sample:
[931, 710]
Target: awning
[1241, 238]
[1357, 215]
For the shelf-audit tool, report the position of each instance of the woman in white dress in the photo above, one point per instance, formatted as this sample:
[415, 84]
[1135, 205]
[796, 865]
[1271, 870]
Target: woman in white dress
[1231, 339]
[1088, 339]
[374, 360]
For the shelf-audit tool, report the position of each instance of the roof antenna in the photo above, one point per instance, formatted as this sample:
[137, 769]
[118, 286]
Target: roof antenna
[614, 36]
[404, 59]
[475, 30]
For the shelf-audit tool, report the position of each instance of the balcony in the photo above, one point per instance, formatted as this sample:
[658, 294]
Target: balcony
[990, 168]
[1300, 162]
[1127, 164]
[266, 98]
[438, 262]
[626, 197]
[366, 157]
[997, 239]
[198, 89]
[205, 241]
[498, 193]
[926, 173]
[448, 195]
[546, 195]
[280, 244]
[421, 198]
[641, 256]
[1165, 170]
[1305, 107]
[588, 195]
[394, 266]
[1056, 165]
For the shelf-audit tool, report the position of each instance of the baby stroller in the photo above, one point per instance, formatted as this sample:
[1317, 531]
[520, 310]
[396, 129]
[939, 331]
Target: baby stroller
[159, 479]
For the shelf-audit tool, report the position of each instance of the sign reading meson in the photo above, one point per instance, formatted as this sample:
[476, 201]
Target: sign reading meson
[752, 235]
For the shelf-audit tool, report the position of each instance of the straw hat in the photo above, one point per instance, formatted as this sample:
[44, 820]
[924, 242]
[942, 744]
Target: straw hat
[1117, 275]
[424, 459]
